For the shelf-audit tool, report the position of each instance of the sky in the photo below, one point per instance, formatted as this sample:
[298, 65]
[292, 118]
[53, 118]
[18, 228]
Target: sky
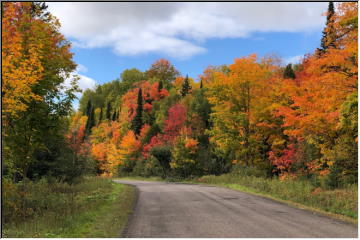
[109, 37]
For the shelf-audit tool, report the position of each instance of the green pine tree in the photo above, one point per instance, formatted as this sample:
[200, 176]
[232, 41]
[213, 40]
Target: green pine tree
[329, 33]
[289, 72]
[108, 111]
[88, 109]
[117, 115]
[114, 116]
[90, 123]
[160, 86]
[101, 115]
[137, 121]
[185, 89]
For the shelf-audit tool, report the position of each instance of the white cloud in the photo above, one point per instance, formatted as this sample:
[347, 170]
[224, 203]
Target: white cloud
[83, 83]
[293, 59]
[86, 82]
[179, 29]
[81, 68]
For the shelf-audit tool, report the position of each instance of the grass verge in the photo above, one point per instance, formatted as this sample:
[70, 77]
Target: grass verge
[99, 209]
[340, 204]
[151, 179]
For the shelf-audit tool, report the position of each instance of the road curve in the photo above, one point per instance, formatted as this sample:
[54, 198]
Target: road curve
[175, 210]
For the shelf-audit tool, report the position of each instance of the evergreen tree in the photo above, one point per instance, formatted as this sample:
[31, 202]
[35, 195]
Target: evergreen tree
[117, 115]
[90, 123]
[289, 72]
[329, 34]
[88, 109]
[101, 115]
[201, 84]
[114, 116]
[160, 86]
[108, 111]
[137, 121]
[185, 87]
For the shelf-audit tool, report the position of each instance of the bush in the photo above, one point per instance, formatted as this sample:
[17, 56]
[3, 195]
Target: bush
[152, 167]
[29, 199]
[126, 168]
[163, 155]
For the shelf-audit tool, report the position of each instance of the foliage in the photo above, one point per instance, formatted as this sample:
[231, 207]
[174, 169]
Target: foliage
[137, 121]
[251, 114]
[163, 155]
[329, 34]
[234, 112]
[164, 71]
[21, 58]
[289, 72]
[34, 129]
[184, 156]
[185, 88]
[294, 122]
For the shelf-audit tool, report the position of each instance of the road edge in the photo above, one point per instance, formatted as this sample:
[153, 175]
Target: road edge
[333, 216]
[313, 210]
[124, 231]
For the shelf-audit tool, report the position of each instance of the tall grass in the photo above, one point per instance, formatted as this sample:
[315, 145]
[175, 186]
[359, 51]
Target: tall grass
[339, 201]
[43, 209]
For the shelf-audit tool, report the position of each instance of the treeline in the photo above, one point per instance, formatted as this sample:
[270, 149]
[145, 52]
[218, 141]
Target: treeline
[252, 115]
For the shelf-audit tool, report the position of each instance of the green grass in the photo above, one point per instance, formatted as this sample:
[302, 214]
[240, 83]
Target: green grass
[141, 178]
[94, 208]
[339, 203]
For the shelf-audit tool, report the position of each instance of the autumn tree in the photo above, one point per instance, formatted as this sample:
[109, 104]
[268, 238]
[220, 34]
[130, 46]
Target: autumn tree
[184, 155]
[129, 149]
[36, 61]
[235, 108]
[173, 125]
[164, 71]
[344, 154]
[21, 62]
[323, 85]
[209, 73]
[130, 76]
[137, 121]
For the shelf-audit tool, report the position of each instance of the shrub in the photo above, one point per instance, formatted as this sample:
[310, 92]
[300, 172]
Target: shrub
[163, 155]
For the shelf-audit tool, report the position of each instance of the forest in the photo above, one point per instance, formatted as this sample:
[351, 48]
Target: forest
[297, 121]
[254, 117]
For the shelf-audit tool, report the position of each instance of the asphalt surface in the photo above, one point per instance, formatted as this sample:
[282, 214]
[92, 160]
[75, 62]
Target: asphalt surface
[186, 210]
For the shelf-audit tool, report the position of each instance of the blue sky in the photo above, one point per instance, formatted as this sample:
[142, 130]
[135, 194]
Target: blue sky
[111, 37]
[104, 65]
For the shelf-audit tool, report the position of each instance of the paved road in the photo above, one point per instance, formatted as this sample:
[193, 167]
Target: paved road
[186, 210]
